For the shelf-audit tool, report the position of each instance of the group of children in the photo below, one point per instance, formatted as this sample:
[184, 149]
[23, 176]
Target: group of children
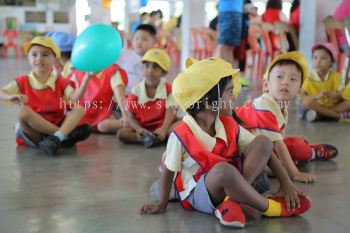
[217, 156]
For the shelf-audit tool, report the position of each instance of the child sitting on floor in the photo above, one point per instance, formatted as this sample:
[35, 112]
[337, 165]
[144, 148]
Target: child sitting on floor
[152, 109]
[204, 152]
[268, 114]
[41, 96]
[321, 94]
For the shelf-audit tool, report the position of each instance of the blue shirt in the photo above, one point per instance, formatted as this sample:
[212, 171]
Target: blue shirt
[230, 5]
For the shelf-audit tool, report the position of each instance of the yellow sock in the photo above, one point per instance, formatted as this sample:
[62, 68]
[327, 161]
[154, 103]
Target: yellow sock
[274, 209]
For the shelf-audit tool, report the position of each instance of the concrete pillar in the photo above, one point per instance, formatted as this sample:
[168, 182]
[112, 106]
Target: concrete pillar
[185, 32]
[193, 16]
[307, 27]
[311, 26]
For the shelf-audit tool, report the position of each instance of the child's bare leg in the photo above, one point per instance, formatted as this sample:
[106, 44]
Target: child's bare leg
[72, 120]
[34, 125]
[256, 156]
[343, 106]
[128, 135]
[224, 179]
[327, 112]
[109, 125]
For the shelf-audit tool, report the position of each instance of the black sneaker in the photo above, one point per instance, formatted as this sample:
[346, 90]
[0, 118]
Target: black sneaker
[50, 145]
[262, 183]
[149, 139]
[80, 133]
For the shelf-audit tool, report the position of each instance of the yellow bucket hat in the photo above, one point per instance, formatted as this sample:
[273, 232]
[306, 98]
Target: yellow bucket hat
[295, 56]
[43, 41]
[158, 56]
[200, 77]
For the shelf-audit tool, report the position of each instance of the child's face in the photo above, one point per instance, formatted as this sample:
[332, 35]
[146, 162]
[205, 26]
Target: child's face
[152, 71]
[284, 82]
[41, 59]
[228, 100]
[321, 61]
[142, 41]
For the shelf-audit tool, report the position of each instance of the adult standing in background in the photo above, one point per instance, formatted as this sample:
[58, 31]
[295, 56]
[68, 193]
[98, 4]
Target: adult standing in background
[230, 28]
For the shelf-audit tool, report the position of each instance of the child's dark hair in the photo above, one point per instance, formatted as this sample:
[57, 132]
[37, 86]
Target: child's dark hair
[328, 52]
[66, 54]
[275, 4]
[147, 28]
[285, 62]
[210, 98]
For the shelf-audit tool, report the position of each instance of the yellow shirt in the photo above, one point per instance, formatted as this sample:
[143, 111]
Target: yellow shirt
[268, 103]
[140, 91]
[12, 87]
[177, 159]
[346, 92]
[313, 85]
[67, 69]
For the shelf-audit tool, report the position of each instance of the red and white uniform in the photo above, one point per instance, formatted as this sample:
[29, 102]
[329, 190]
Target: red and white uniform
[150, 112]
[46, 102]
[98, 98]
[191, 152]
[264, 116]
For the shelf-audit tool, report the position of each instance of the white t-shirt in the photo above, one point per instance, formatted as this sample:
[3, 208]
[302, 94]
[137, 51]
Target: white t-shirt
[130, 61]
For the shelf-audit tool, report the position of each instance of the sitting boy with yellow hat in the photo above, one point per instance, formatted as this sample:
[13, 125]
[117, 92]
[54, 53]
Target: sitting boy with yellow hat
[151, 106]
[268, 115]
[204, 152]
[41, 96]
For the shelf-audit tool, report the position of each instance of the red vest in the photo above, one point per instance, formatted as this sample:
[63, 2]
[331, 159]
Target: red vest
[47, 103]
[98, 98]
[207, 159]
[257, 119]
[149, 115]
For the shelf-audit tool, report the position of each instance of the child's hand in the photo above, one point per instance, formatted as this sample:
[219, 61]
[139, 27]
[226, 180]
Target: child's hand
[161, 133]
[18, 99]
[290, 193]
[151, 209]
[304, 177]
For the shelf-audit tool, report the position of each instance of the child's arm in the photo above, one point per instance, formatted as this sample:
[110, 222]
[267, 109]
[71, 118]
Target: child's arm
[283, 153]
[166, 182]
[14, 98]
[287, 188]
[162, 131]
[119, 93]
[304, 95]
[80, 90]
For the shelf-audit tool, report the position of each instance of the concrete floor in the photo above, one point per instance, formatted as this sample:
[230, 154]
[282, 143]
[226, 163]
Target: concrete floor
[98, 186]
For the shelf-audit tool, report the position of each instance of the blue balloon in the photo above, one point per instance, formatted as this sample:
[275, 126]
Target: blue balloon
[96, 48]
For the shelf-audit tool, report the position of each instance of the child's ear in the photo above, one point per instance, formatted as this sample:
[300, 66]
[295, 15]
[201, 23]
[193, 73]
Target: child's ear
[164, 73]
[265, 83]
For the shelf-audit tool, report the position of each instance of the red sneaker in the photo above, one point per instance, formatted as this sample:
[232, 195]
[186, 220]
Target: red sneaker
[305, 205]
[230, 214]
[324, 151]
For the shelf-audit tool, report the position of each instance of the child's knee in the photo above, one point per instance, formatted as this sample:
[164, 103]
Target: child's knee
[224, 172]
[307, 103]
[23, 113]
[264, 145]
[122, 134]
